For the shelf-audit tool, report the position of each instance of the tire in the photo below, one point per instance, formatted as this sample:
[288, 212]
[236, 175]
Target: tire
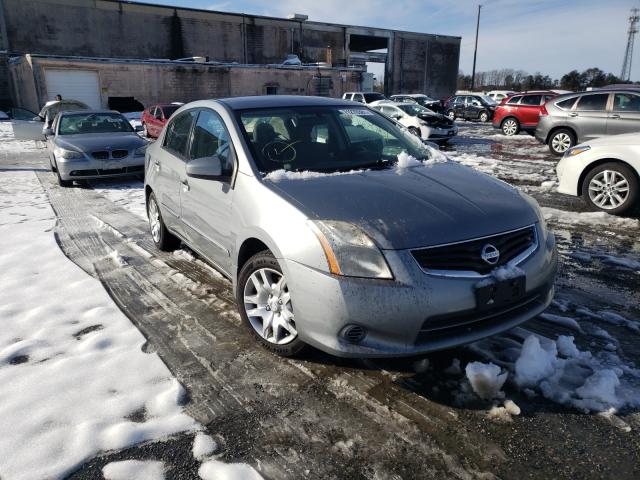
[52, 167]
[510, 126]
[451, 114]
[415, 131]
[611, 187]
[255, 302]
[61, 182]
[162, 237]
[560, 141]
[483, 117]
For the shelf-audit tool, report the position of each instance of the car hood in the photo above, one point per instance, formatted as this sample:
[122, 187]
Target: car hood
[90, 142]
[616, 140]
[414, 207]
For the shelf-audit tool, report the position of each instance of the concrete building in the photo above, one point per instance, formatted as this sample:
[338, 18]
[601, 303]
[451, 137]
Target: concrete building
[101, 82]
[114, 29]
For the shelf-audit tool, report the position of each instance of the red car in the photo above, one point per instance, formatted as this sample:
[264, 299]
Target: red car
[155, 117]
[520, 112]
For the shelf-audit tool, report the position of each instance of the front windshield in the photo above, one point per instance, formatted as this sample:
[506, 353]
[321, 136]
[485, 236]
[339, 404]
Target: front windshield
[325, 139]
[489, 100]
[373, 97]
[413, 109]
[93, 123]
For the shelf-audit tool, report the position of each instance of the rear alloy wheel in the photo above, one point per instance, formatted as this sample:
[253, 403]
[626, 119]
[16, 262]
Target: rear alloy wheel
[484, 117]
[611, 187]
[264, 301]
[451, 114]
[163, 239]
[561, 141]
[510, 127]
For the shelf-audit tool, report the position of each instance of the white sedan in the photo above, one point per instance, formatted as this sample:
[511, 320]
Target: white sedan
[605, 172]
[420, 121]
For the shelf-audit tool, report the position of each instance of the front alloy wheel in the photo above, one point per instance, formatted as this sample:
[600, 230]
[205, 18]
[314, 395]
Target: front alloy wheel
[611, 187]
[561, 141]
[451, 114]
[510, 127]
[265, 304]
[484, 117]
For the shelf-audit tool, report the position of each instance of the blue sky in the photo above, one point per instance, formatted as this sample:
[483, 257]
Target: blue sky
[549, 36]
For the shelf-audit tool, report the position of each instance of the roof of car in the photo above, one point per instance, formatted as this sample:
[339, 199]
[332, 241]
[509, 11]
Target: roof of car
[86, 112]
[272, 101]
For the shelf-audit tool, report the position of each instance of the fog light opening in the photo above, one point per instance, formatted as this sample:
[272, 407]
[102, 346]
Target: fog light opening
[353, 333]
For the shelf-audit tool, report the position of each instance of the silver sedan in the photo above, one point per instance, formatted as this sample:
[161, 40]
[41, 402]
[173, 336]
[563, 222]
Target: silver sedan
[93, 144]
[342, 231]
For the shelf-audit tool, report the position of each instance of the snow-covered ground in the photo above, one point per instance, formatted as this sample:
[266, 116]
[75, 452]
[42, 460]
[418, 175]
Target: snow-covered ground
[75, 381]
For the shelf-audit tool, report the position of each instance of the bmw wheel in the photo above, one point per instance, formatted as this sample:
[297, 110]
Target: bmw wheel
[611, 187]
[561, 141]
[484, 117]
[264, 301]
[510, 127]
[163, 239]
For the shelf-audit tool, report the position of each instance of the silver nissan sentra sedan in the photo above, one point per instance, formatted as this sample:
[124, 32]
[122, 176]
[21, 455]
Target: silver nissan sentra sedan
[342, 231]
[93, 144]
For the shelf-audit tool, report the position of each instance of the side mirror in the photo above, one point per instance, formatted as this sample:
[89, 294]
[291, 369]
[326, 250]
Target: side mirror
[207, 168]
[48, 132]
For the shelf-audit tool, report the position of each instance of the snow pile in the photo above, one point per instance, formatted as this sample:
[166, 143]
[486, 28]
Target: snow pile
[203, 446]
[486, 379]
[569, 376]
[279, 175]
[62, 339]
[9, 146]
[505, 412]
[592, 218]
[134, 470]
[406, 161]
[215, 470]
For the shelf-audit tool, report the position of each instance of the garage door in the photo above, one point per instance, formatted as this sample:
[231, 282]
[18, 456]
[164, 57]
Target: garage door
[79, 85]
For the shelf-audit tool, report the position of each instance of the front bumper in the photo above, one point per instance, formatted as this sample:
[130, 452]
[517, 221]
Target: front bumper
[397, 314]
[437, 134]
[77, 169]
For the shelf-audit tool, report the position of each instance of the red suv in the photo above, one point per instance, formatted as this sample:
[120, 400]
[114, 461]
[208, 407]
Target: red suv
[520, 112]
[154, 118]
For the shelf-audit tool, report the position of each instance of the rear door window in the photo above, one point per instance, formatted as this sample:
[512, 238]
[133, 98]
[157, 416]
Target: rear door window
[514, 100]
[626, 102]
[566, 104]
[176, 139]
[531, 100]
[593, 103]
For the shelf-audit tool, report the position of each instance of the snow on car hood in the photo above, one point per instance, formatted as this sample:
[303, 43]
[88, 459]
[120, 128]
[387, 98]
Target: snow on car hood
[101, 141]
[414, 207]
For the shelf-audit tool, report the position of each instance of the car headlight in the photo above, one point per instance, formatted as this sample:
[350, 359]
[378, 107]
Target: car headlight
[68, 154]
[139, 152]
[572, 152]
[349, 251]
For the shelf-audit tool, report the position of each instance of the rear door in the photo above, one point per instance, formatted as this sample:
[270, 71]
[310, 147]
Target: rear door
[589, 116]
[459, 106]
[625, 114]
[169, 168]
[206, 203]
[529, 110]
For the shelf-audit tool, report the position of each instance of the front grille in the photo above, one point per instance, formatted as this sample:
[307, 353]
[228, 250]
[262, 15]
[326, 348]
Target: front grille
[110, 171]
[467, 256]
[102, 155]
[468, 321]
[119, 153]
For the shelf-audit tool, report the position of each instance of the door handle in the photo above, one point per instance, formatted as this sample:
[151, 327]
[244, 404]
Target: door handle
[573, 114]
[615, 116]
[156, 164]
[185, 186]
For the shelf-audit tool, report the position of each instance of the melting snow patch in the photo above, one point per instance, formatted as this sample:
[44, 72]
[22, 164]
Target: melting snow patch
[203, 446]
[535, 362]
[486, 379]
[215, 470]
[279, 175]
[134, 470]
[594, 218]
[567, 322]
